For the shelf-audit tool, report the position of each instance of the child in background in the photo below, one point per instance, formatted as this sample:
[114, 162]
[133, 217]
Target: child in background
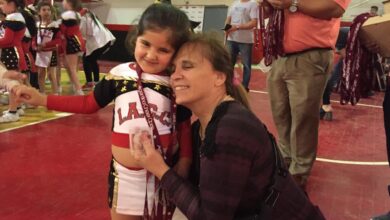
[46, 59]
[98, 40]
[73, 42]
[142, 98]
[11, 46]
[31, 33]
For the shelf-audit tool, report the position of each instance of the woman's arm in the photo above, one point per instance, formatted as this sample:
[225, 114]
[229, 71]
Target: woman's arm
[222, 182]
[223, 178]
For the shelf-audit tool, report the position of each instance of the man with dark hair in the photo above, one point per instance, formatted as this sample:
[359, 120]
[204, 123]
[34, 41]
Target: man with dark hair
[374, 10]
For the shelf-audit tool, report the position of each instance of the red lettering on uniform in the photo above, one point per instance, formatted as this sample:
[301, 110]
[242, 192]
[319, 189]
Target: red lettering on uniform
[121, 119]
[162, 121]
[153, 109]
[133, 112]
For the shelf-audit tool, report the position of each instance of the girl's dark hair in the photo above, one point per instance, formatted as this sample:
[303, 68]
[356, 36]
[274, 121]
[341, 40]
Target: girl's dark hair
[75, 4]
[216, 53]
[44, 3]
[18, 3]
[30, 22]
[158, 17]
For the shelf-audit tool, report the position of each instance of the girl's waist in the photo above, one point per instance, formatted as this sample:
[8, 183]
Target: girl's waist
[122, 140]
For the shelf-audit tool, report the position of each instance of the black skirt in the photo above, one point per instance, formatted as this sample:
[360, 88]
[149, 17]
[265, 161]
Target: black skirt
[53, 59]
[73, 45]
[10, 58]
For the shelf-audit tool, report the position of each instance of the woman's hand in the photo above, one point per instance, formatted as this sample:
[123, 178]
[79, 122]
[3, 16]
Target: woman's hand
[29, 95]
[149, 158]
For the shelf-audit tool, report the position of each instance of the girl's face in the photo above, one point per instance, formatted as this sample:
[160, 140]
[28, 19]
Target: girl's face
[153, 51]
[194, 77]
[66, 5]
[45, 12]
[7, 7]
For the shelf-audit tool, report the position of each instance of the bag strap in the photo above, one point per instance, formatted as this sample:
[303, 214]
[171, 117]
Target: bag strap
[279, 175]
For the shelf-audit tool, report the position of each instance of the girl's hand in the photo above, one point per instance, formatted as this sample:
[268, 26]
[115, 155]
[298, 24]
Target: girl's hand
[29, 95]
[149, 158]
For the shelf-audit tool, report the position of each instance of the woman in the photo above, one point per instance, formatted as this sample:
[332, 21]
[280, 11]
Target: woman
[234, 155]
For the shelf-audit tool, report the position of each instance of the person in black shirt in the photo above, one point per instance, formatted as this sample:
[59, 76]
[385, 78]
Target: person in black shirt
[236, 164]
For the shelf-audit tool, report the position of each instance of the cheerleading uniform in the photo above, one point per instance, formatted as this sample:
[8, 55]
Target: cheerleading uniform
[26, 45]
[11, 43]
[70, 29]
[120, 86]
[49, 36]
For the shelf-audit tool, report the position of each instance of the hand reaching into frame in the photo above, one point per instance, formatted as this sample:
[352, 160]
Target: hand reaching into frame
[29, 95]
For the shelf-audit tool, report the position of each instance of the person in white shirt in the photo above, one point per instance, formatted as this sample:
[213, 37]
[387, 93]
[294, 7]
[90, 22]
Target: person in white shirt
[98, 41]
[242, 16]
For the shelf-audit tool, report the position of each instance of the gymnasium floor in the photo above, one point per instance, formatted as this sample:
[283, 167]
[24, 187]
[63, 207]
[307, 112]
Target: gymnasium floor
[55, 165]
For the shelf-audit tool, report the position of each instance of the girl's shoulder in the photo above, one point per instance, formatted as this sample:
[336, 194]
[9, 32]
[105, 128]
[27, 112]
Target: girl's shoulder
[127, 71]
[54, 24]
[15, 17]
[124, 70]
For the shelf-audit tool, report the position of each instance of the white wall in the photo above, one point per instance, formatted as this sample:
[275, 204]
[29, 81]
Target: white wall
[128, 11]
[361, 6]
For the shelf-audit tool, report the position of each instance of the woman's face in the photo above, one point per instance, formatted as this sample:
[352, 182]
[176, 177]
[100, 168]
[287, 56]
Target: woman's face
[194, 78]
[7, 7]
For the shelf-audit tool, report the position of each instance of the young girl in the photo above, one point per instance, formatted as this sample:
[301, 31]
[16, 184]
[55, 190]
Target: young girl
[74, 44]
[143, 98]
[11, 50]
[98, 41]
[46, 59]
